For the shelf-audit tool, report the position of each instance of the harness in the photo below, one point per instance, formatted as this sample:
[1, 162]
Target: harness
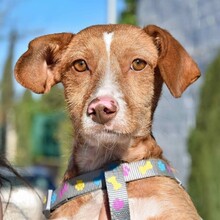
[113, 178]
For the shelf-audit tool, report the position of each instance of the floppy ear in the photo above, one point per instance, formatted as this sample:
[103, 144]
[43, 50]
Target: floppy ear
[177, 68]
[35, 69]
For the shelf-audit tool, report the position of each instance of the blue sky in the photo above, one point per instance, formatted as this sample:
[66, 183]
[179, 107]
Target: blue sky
[32, 18]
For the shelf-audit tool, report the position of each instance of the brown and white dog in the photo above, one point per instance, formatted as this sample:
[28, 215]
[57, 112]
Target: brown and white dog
[112, 77]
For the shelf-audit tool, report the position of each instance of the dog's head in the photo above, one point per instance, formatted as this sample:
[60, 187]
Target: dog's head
[112, 76]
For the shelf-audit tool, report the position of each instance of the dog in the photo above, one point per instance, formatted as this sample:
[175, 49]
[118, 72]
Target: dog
[112, 77]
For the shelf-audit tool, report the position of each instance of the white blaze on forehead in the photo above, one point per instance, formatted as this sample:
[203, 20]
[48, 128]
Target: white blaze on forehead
[109, 85]
[108, 39]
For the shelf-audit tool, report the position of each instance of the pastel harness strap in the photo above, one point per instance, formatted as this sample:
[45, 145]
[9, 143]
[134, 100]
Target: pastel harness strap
[113, 178]
[117, 193]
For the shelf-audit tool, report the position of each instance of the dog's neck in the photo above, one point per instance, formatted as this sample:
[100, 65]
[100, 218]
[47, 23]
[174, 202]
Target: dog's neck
[87, 157]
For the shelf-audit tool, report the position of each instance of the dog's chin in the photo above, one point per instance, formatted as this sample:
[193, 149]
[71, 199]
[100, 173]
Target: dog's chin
[104, 136]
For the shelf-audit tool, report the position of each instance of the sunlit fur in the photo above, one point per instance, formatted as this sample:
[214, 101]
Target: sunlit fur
[109, 51]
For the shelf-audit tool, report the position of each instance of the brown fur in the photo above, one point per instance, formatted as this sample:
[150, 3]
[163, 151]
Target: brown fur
[49, 60]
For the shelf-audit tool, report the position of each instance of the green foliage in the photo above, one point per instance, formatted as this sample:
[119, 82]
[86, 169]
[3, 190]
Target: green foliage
[33, 116]
[128, 16]
[204, 146]
[7, 93]
[7, 82]
[24, 113]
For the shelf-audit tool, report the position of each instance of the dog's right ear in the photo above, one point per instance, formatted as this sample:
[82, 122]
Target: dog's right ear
[35, 69]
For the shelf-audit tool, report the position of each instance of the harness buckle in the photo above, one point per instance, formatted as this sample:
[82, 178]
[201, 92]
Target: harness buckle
[47, 205]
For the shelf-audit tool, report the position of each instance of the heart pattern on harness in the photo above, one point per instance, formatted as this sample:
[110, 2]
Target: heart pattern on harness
[118, 204]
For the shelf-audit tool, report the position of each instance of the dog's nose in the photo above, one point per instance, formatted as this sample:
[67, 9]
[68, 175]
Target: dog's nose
[102, 109]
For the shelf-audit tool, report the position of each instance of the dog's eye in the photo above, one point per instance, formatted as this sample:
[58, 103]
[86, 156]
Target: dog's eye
[80, 65]
[138, 64]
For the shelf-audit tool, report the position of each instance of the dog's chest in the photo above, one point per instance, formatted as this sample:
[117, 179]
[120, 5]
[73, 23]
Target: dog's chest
[91, 209]
[140, 208]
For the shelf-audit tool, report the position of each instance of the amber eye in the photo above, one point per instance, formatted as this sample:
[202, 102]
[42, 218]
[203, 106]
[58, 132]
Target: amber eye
[80, 65]
[138, 64]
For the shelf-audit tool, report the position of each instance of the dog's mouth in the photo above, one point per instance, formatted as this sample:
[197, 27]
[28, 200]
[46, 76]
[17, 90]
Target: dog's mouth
[108, 129]
[113, 132]
[105, 135]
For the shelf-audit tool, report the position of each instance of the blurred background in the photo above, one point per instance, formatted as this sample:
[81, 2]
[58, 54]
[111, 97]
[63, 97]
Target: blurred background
[35, 132]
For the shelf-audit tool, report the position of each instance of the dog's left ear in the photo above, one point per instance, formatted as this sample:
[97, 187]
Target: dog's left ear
[177, 68]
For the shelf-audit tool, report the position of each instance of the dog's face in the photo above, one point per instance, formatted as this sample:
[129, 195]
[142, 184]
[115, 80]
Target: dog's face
[112, 76]
[109, 82]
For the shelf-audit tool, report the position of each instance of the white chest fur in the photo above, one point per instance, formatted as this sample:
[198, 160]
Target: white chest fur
[140, 208]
